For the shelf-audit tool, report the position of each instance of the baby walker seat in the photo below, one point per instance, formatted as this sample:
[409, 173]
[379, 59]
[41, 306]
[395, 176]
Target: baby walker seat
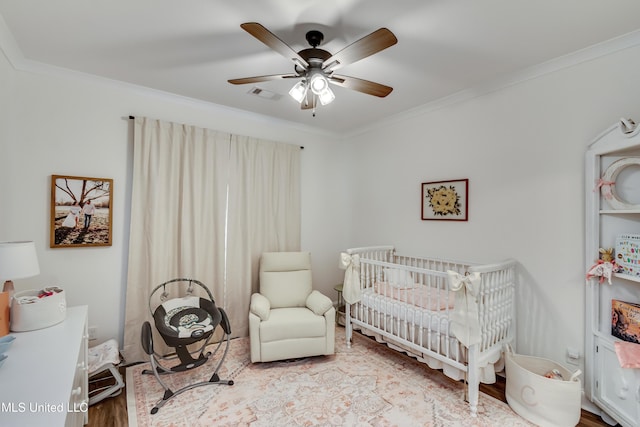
[181, 322]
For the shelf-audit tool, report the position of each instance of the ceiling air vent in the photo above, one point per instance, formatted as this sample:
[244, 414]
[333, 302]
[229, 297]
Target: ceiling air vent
[256, 91]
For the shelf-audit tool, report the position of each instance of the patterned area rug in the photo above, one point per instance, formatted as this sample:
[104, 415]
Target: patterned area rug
[366, 385]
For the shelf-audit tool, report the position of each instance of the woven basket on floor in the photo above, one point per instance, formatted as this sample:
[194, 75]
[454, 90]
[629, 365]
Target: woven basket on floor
[541, 400]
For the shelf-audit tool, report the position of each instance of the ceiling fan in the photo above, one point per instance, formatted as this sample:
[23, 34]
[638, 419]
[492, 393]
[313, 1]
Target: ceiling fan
[315, 67]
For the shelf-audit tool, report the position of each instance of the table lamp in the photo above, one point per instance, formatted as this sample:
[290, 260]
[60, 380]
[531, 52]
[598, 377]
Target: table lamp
[17, 261]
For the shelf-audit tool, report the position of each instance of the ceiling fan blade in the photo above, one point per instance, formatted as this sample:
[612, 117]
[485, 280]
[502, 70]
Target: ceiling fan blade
[257, 79]
[364, 86]
[267, 37]
[366, 46]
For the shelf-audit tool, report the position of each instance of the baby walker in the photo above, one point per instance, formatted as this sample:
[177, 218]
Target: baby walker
[180, 322]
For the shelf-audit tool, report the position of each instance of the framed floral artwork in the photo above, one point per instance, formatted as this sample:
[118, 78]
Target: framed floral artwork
[445, 200]
[81, 211]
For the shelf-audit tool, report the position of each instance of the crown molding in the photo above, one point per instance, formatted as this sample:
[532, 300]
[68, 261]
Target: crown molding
[590, 53]
[34, 67]
[14, 55]
[8, 44]
[16, 58]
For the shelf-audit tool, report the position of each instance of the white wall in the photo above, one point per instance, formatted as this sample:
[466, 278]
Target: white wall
[61, 123]
[522, 148]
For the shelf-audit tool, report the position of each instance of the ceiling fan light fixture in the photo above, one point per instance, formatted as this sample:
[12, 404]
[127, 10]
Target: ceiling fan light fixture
[319, 84]
[299, 91]
[315, 66]
[326, 96]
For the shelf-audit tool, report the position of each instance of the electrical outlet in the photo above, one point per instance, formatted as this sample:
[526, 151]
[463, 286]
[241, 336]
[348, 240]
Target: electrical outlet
[93, 333]
[573, 356]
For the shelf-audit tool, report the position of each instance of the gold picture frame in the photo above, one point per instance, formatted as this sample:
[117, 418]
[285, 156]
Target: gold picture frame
[445, 200]
[81, 211]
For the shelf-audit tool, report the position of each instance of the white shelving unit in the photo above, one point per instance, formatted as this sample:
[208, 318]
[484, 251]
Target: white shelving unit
[613, 389]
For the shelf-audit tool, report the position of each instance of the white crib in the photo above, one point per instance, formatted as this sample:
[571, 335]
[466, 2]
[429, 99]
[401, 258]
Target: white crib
[406, 302]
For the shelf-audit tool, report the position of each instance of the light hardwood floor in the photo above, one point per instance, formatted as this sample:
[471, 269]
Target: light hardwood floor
[113, 411]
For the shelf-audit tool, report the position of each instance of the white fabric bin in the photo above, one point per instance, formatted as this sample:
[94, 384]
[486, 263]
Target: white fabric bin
[28, 312]
[538, 399]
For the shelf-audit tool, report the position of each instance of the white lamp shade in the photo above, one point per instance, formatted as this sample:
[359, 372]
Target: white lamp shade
[18, 260]
[326, 96]
[299, 91]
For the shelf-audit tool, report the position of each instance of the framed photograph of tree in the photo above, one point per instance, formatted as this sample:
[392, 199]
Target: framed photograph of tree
[445, 200]
[81, 211]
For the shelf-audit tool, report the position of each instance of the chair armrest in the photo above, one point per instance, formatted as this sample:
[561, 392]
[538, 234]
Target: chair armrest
[318, 303]
[260, 306]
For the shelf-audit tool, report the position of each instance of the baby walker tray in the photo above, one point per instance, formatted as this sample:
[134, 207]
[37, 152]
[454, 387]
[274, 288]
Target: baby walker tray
[37, 309]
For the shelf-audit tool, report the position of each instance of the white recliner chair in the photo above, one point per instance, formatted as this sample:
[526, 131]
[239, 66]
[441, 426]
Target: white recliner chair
[287, 318]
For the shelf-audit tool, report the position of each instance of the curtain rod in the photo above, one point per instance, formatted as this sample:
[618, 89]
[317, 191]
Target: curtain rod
[133, 118]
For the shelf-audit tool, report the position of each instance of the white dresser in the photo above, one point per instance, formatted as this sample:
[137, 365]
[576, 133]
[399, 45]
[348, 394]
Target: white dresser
[44, 380]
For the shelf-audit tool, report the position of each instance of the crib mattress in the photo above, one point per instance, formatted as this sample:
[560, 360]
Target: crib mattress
[421, 317]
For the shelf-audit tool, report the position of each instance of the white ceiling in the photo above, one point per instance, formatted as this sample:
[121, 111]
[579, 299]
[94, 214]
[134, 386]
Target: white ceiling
[192, 47]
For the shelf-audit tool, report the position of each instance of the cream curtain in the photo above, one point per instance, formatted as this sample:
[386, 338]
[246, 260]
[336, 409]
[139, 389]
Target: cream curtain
[204, 205]
[264, 214]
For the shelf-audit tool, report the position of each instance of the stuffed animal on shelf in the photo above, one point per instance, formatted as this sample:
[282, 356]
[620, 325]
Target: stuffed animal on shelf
[604, 267]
